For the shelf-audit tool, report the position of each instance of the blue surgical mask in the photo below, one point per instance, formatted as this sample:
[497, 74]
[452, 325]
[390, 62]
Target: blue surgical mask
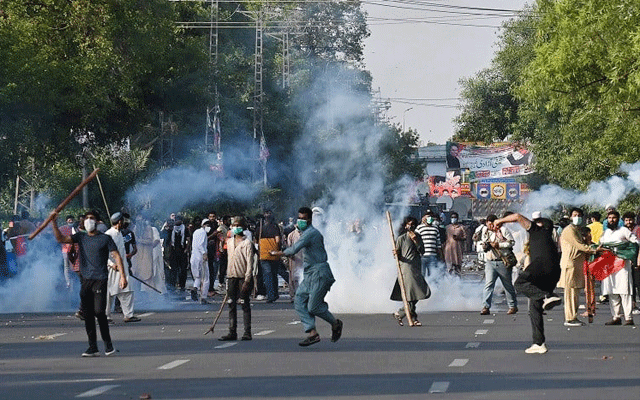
[302, 224]
[237, 230]
[576, 220]
[429, 220]
[454, 220]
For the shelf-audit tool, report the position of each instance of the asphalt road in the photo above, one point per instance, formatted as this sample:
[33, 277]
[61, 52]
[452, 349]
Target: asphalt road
[455, 355]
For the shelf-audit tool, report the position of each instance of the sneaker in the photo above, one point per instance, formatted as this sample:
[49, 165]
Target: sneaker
[310, 340]
[575, 322]
[132, 319]
[536, 349]
[635, 311]
[260, 297]
[629, 323]
[91, 352]
[485, 311]
[246, 336]
[228, 337]
[512, 310]
[79, 315]
[614, 321]
[336, 331]
[550, 302]
[109, 350]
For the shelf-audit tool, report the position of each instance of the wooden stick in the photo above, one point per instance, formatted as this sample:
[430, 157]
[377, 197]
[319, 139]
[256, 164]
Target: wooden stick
[64, 203]
[215, 321]
[104, 200]
[400, 276]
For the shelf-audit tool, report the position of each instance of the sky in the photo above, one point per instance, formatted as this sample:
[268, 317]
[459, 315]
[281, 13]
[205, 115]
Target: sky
[419, 50]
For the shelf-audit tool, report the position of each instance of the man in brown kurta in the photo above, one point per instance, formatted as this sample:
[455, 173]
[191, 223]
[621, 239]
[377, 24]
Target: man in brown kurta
[574, 253]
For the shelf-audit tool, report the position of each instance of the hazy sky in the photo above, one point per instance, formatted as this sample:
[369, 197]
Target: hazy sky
[418, 50]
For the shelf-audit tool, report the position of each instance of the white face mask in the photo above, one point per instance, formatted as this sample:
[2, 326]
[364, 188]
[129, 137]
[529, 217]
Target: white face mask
[576, 220]
[454, 220]
[207, 229]
[90, 225]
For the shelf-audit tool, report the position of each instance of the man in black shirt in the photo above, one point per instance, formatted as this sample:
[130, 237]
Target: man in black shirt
[94, 249]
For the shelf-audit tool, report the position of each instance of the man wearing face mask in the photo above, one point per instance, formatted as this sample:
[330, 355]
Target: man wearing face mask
[125, 295]
[94, 251]
[574, 254]
[316, 282]
[179, 252]
[199, 265]
[430, 235]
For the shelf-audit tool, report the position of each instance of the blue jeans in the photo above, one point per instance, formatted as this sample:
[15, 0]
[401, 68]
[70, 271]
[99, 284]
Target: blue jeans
[429, 263]
[270, 278]
[494, 270]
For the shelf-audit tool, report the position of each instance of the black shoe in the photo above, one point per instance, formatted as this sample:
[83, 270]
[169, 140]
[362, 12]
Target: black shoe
[336, 331]
[109, 350]
[228, 337]
[485, 311]
[310, 340]
[194, 295]
[110, 321]
[91, 352]
[80, 315]
[246, 336]
[629, 323]
[132, 319]
[615, 321]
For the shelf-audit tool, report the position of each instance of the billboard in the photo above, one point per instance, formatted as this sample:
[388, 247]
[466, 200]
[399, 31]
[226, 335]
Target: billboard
[496, 161]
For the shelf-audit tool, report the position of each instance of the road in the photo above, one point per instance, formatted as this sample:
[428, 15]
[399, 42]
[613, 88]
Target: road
[455, 355]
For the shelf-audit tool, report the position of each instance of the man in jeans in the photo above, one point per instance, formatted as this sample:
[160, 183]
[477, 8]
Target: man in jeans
[430, 235]
[494, 240]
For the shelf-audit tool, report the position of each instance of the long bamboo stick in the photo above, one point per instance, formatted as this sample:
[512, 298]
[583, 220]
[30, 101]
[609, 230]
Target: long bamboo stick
[64, 203]
[400, 276]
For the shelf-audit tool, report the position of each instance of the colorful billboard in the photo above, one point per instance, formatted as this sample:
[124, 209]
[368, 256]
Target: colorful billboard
[483, 162]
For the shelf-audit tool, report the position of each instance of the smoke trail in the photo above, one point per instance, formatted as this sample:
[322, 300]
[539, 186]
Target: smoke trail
[602, 193]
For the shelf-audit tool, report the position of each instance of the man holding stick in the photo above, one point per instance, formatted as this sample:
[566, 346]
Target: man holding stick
[317, 280]
[94, 250]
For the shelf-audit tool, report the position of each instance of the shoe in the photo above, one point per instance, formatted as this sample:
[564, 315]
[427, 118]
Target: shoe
[536, 349]
[79, 315]
[614, 321]
[228, 337]
[260, 297]
[398, 318]
[590, 318]
[575, 322]
[512, 310]
[629, 323]
[109, 350]
[91, 352]
[194, 295]
[246, 336]
[110, 321]
[203, 301]
[485, 311]
[310, 340]
[635, 311]
[132, 319]
[549, 302]
[336, 331]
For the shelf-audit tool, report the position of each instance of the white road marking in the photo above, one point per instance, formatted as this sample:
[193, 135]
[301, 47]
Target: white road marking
[439, 387]
[294, 323]
[148, 314]
[97, 391]
[459, 362]
[262, 333]
[173, 364]
[49, 337]
[481, 332]
[224, 346]
[57, 381]
[472, 345]
[489, 321]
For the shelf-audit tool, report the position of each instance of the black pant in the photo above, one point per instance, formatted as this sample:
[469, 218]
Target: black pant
[222, 268]
[235, 291]
[536, 297]
[179, 267]
[93, 303]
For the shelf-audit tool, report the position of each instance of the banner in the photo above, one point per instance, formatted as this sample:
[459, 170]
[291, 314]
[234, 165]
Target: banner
[483, 162]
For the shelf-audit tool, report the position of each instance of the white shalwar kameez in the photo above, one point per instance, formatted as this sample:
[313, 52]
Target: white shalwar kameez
[618, 285]
[113, 286]
[199, 266]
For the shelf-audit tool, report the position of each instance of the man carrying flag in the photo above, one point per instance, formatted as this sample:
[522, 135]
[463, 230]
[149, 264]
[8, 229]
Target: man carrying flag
[618, 284]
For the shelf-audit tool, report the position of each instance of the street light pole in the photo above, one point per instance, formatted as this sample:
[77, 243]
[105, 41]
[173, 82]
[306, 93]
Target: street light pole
[403, 115]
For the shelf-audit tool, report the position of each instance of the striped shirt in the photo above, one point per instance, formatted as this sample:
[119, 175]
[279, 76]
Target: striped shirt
[430, 238]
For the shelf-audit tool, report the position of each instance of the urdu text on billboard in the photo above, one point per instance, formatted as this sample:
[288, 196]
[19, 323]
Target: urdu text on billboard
[483, 162]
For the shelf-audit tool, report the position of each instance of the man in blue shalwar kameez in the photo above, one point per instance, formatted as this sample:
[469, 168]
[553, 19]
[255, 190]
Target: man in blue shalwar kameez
[316, 282]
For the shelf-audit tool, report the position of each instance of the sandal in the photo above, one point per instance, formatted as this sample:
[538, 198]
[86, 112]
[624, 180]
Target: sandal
[417, 323]
[398, 318]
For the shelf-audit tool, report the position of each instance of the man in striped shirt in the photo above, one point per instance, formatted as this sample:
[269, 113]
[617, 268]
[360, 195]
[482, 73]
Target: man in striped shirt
[430, 235]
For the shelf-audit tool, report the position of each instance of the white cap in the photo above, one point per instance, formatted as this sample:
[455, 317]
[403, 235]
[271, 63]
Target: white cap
[609, 206]
[536, 215]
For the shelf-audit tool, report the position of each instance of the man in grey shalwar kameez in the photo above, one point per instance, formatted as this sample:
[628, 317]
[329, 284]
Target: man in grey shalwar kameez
[409, 248]
[316, 282]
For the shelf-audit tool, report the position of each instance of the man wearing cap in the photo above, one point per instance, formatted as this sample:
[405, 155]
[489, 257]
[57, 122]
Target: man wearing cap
[199, 262]
[125, 295]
